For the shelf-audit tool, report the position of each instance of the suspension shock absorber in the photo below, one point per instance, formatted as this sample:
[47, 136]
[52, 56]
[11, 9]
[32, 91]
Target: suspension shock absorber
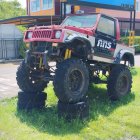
[40, 61]
[67, 54]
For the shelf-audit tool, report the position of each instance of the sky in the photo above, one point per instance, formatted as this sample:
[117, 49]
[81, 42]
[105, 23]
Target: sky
[23, 3]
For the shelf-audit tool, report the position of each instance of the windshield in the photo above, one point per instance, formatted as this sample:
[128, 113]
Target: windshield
[80, 21]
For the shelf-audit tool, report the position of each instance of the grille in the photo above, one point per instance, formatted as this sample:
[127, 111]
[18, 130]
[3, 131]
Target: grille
[42, 34]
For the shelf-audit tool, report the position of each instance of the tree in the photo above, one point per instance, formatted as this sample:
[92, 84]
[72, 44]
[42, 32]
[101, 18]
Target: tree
[9, 9]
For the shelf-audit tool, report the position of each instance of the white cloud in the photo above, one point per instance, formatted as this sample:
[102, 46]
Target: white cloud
[23, 3]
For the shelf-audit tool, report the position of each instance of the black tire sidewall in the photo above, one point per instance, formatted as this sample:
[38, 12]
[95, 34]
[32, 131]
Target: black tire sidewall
[127, 75]
[22, 77]
[72, 111]
[61, 80]
[84, 84]
[33, 97]
[116, 73]
[31, 101]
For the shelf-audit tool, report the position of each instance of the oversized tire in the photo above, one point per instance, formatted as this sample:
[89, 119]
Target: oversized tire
[72, 111]
[119, 82]
[28, 101]
[26, 82]
[71, 80]
[25, 97]
[30, 106]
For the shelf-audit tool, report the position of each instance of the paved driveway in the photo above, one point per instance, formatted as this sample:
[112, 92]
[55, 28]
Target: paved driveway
[8, 85]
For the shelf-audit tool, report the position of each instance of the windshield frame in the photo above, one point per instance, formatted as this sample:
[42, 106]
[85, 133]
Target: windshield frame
[94, 25]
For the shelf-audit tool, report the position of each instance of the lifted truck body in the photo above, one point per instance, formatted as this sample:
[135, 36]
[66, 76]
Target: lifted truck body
[84, 47]
[101, 45]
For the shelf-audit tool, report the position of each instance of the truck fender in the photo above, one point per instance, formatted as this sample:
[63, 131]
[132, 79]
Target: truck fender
[125, 55]
[83, 40]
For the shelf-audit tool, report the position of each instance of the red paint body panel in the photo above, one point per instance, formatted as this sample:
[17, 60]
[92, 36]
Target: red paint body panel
[117, 31]
[80, 30]
[47, 33]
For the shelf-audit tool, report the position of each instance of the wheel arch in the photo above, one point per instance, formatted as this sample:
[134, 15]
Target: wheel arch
[129, 57]
[125, 55]
[85, 44]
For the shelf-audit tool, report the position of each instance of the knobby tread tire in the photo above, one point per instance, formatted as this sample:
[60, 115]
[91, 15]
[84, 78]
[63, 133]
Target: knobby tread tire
[112, 81]
[72, 111]
[30, 106]
[31, 101]
[33, 97]
[73, 108]
[60, 81]
[22, 77]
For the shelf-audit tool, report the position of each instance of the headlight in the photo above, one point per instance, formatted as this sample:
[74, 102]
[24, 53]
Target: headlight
[30, 34]
[58, 34]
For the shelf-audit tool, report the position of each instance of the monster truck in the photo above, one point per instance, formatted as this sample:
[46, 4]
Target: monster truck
[82, 50]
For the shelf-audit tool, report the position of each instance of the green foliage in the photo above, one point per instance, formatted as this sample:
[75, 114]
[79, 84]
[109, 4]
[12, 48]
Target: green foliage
[125, 40]
[9, 9]
[22, 28]
[22, 49]
[108, 120]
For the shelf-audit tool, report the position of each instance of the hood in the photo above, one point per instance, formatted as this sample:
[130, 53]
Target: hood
[88, 31]
[59, 27]
[46, 27]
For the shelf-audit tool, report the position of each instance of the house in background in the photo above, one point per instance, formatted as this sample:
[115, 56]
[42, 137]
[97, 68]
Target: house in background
[52, 8]
[46, 12]
[47, 7]
[10, 41]
[124, 16]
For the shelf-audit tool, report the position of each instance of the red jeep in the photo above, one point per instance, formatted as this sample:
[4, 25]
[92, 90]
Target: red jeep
[84, 48]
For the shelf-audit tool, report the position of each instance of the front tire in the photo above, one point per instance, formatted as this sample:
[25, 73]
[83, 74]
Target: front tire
[119, 82]
[26, 82]
[71, 80]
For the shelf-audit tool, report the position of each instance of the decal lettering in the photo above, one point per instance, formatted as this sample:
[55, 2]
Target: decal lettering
[104, 44]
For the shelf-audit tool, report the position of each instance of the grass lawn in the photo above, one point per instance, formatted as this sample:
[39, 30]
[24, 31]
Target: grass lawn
[118, 120]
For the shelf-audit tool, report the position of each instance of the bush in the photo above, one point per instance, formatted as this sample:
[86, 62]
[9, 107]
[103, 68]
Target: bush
[22, 49]
[125, 40]
[22, 28]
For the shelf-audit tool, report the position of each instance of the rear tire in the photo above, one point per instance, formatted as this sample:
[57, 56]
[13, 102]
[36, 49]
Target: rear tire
[71, 81]
[25, 81]
[119, 82]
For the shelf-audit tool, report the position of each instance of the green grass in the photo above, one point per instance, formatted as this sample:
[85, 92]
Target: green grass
[108, 120]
